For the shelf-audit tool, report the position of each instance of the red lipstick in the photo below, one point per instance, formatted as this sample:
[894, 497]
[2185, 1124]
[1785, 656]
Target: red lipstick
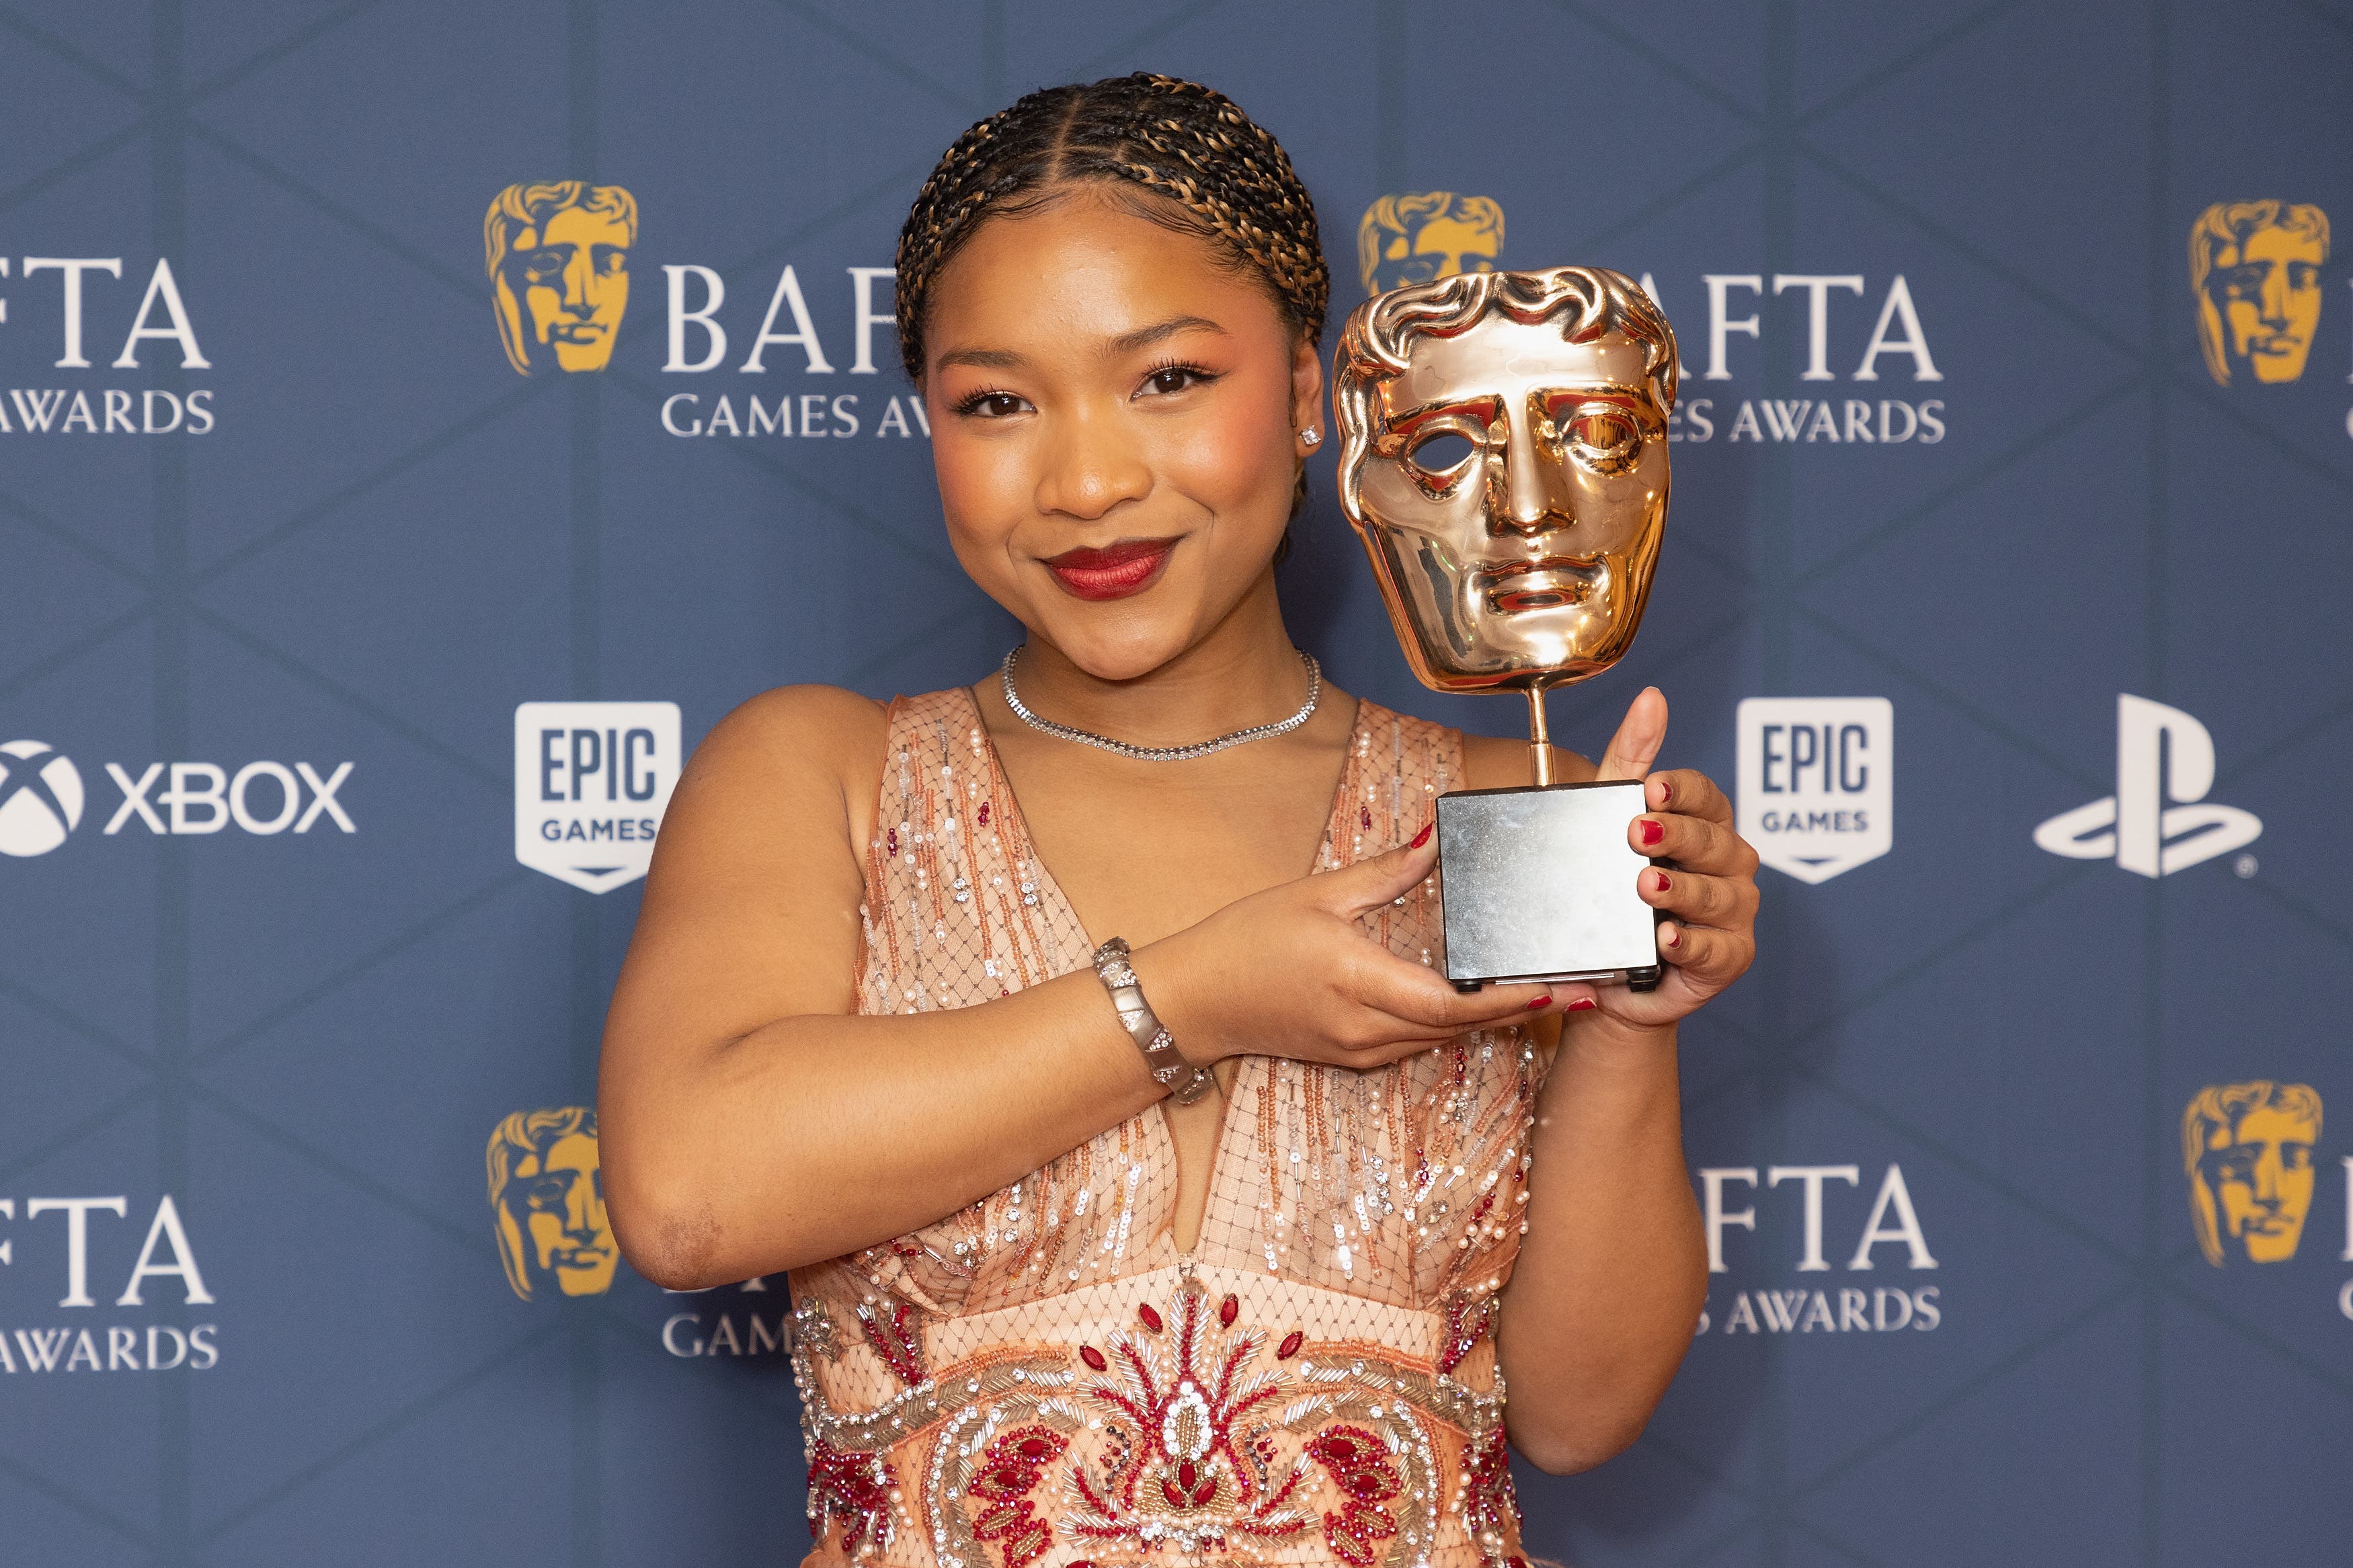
[1127, 566]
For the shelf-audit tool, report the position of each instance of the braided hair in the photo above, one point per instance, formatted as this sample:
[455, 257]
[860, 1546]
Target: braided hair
[1214, 170]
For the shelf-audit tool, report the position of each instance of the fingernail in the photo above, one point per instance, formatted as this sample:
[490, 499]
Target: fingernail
[1422, 837]
[1666, 792]
[1580, 1004]
[1674, 937]
[1663, 883]
[1539, 1002]
[1651, 831]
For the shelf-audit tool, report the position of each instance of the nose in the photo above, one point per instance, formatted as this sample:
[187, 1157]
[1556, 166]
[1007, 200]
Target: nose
[2267, 1180]
[1090, 468]
[1524, 488]
[2273, 297]
[580, 1207]
[578, 274]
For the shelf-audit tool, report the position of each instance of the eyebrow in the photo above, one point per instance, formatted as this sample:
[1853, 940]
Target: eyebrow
[987, 359]
[1126, 344]
[1144, 336]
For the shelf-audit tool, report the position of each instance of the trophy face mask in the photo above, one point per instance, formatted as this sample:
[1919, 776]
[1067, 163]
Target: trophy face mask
[1525, 561]
[1522, 563]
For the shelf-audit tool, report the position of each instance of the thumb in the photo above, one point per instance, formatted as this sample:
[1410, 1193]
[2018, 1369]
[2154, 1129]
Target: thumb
[1640, 735]
[1374, 880]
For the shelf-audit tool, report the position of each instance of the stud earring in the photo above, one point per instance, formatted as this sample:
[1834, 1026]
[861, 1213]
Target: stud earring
[1312, 437]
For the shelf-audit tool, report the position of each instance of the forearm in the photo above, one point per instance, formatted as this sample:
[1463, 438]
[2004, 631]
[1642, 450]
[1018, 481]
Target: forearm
[1612, 1271]
[814, 1136]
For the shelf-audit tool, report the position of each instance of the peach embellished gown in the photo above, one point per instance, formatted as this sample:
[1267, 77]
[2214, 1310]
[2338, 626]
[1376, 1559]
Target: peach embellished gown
[1042, 1379]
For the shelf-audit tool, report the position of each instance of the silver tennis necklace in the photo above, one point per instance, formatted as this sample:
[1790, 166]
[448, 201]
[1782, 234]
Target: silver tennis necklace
[1167, 753]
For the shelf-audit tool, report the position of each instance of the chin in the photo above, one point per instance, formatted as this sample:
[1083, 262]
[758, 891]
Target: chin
[1124, 639]
[1117, 647]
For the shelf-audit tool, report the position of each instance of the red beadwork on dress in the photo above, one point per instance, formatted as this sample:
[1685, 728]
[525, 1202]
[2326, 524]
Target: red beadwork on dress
[1042, 1380]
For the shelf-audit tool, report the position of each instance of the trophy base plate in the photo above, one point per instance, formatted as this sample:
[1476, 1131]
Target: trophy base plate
[1632, 979]
[1538, 884]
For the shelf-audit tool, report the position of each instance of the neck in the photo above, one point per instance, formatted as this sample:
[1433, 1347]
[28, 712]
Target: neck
[1244, 672]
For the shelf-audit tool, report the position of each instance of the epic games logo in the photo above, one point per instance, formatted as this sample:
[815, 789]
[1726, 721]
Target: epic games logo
[591, 781]
[1817, 782]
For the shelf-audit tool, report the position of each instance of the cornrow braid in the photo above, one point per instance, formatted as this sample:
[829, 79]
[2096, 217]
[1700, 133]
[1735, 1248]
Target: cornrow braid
[1214, 169]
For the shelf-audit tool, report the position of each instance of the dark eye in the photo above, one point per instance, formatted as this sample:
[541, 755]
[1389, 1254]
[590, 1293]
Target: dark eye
[990, 405]
[1173, 378]
[1441, 453]
[1602, 439]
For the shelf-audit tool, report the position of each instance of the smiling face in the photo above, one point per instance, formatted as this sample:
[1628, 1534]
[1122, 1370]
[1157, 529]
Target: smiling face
[1114, 412]
[1510, 485]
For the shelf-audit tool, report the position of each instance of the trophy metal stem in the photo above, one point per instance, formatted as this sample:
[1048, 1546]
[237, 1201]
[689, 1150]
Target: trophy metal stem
[1539, 737]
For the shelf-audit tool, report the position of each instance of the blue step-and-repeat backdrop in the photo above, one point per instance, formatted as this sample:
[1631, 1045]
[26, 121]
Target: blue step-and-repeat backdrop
[419, 420]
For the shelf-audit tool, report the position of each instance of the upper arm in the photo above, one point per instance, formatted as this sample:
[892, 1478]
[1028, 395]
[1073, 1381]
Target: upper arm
[751, 908]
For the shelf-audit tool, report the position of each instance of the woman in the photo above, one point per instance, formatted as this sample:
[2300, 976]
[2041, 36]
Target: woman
[1045, 1307]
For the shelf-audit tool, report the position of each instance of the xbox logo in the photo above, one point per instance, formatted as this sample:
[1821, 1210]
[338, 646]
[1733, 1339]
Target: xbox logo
[40, 798]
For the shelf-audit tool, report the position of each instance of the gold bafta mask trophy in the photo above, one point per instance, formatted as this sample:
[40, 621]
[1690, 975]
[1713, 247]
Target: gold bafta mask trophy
[1521, 564]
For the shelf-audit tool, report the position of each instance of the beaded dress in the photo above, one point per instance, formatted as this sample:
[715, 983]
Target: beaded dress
[1042, 1379]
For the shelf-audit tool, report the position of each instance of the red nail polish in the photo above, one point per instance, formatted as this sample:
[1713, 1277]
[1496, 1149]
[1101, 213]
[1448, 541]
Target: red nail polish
[1651, 831]
[1674, 939]
[1666, 792]
[1539, 1002]
[1580, 1004]
[1663, 883]
[1422, 837]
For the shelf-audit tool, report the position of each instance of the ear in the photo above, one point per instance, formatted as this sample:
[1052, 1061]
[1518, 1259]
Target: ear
[1307, 386]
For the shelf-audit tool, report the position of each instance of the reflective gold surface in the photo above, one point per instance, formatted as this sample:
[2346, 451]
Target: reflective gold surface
[1524, 562]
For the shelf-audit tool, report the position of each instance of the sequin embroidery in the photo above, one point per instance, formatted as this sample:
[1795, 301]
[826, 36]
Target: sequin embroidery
[1321, 1398]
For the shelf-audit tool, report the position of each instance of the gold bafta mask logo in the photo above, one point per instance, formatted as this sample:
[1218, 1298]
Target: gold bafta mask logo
[558, 257]
[547, 1202]
[2248, 1150]
[1426, 236]
[1504, 461]
[2255, 267]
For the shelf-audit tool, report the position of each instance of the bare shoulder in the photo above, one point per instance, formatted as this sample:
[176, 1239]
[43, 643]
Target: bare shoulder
[795, 758]
[1500, 762]
[795, 731]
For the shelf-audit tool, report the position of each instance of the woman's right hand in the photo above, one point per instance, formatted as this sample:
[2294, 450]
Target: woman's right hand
[1290, 973]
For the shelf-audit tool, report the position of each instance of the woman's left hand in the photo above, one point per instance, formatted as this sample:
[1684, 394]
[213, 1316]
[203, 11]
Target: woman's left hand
[1706, 887]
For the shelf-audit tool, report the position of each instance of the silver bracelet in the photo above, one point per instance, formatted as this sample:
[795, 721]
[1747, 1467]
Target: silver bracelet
[1185, 1082]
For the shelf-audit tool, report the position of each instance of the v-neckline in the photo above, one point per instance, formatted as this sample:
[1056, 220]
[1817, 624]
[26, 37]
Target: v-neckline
[1049, 889]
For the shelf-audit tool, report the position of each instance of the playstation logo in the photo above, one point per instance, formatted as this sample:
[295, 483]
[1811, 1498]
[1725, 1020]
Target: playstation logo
[2163, 755]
